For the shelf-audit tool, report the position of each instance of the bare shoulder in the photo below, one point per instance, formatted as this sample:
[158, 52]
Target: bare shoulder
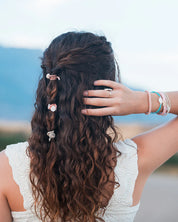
[4, 170]
[4, 163]
[3, 158]
[156, 146]
[5, 214]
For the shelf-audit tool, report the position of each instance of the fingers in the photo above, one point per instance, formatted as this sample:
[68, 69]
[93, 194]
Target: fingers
[98, 112]
[109, 83]
[98, 93]
[101, 98]
[99, 101]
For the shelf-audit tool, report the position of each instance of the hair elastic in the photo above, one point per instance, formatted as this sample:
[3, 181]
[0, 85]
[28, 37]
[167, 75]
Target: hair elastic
[52, 107]
[168, 103]
[164, 104]
[149, 102]
[51, 135]
[160, 102]
[52, 77]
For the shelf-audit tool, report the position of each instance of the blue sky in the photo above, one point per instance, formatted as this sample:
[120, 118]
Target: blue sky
[144, 34]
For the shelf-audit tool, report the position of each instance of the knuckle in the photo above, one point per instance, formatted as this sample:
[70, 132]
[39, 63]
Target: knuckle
[119, 101]
[99, 103]
[88, 101]
[85, 100]
[89, 93]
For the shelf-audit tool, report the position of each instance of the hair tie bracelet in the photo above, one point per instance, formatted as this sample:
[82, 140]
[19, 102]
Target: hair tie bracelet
[160, 102]
[149, 102]
[52, 77]
[52, 107]
[164, 105]
[168, 103]
[51, 135]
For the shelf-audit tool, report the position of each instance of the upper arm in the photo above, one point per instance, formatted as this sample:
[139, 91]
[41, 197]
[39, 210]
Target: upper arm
[157, 146]
[5, 213]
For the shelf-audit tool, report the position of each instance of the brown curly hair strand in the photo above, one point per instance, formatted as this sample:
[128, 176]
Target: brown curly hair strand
[70, 174]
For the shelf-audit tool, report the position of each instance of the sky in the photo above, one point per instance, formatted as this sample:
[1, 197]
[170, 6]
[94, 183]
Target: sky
[144, 34]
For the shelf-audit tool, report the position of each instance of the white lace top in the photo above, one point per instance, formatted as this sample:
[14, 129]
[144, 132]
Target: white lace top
[119, 208]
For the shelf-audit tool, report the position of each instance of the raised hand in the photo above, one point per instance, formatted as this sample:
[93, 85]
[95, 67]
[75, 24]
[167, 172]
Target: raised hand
[119, 101]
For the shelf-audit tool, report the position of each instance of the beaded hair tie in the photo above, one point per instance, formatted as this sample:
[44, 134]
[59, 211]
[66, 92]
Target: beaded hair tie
[51, 135]
[52, 107]
[52, 77]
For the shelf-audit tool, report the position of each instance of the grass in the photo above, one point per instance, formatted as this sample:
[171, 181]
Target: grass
[11, 138]
[173, 160]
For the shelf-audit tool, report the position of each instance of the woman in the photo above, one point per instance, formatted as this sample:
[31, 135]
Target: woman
[72, 168]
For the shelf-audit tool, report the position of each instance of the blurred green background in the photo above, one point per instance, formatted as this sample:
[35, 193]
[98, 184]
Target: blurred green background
[11, 138]
[15, 137]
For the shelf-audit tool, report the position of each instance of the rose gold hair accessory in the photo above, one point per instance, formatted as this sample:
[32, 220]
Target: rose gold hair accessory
[52, 107]
[52, 77]
[51, 135]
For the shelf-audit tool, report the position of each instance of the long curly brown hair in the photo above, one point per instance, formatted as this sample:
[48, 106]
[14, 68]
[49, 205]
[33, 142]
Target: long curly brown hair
[71, 174]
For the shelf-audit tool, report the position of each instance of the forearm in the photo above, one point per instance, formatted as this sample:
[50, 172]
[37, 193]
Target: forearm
[142, 104]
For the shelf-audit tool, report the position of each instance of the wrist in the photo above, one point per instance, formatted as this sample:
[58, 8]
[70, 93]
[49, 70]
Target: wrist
[141, 102]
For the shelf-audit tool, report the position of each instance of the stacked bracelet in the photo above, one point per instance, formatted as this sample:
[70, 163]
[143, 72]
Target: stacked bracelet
[164, 104]
[149, 102]
[163, 101]
[160, 102]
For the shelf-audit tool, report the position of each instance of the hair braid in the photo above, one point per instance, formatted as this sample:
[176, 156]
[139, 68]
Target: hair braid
[52, 92]
[51, 156]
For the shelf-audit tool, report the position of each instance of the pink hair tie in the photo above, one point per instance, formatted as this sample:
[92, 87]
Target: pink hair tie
[149, 102]
[52, 77]
[52, 107]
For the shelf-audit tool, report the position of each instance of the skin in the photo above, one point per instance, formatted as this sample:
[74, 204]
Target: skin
[154, 147]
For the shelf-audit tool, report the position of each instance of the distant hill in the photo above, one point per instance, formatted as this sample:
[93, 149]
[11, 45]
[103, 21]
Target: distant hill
[19, 74]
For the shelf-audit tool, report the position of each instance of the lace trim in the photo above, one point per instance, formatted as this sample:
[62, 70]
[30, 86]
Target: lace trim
[126, 171]
[20, 164]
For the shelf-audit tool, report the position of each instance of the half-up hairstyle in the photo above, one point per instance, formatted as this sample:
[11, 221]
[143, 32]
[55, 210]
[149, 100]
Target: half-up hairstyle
[71, 173]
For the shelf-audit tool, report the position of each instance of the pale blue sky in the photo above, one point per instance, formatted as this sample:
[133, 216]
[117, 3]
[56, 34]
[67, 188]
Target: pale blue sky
[144, 34]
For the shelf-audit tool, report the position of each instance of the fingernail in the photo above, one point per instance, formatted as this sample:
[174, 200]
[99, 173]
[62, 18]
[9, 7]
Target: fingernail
[83, 111]
[95, 82]
[85, 93]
